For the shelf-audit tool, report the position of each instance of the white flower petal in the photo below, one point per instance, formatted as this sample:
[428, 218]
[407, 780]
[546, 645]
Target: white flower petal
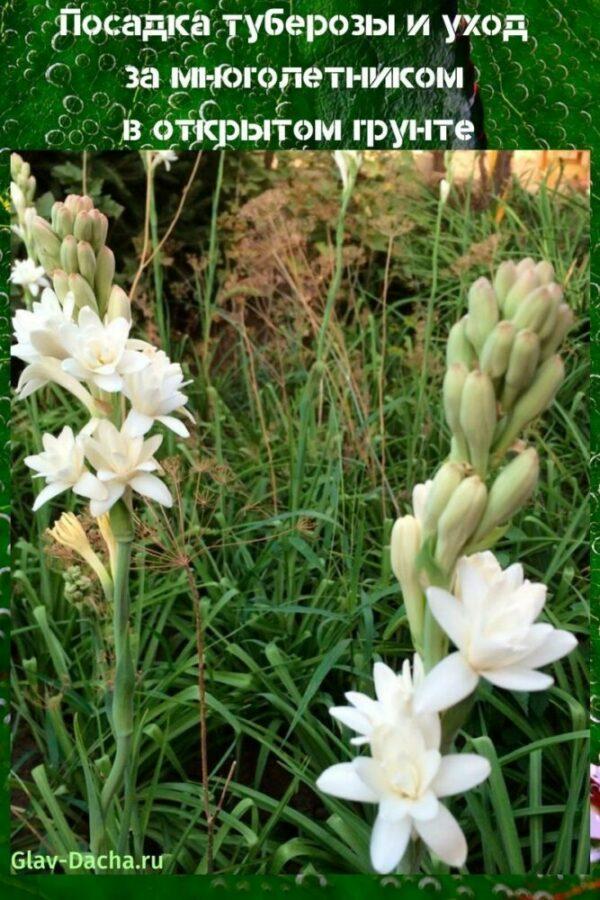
[352, 718]
[449, 613]
[175, 425]
[460, 772]
[137, 424]
[385, 680]
[89, 486]
[152, 487]
[342, 780]
[555, 646]
[518, 678]
[47, 493]
[444, 836]
[388, 843]
[450, 681]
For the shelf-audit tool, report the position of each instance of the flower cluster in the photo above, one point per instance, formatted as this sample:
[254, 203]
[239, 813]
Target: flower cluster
[77, 335]
[502, 372]
[406, 774]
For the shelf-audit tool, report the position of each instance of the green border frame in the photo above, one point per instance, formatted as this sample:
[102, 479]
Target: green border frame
[513, 79]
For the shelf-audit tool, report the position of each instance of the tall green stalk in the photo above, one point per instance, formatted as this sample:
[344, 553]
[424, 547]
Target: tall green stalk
[122, 700]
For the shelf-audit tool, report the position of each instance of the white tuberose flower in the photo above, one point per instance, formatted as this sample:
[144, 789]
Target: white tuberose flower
[155, 393]
[123, 461]
[395, 693]
[61, 463]
[31, 277]
[37, 330]
[491, 621]
[406, 779]
[100, 352]
[166, 157]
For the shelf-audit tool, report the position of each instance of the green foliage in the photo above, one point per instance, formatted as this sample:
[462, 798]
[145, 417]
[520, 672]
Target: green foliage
[286, 495]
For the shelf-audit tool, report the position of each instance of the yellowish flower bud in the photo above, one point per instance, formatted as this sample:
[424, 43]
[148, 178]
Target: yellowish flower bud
[68, 255]
[118, 304]
[505, 277]
[512, 488]
[447, 479]
[405, 543]
[108, 538]
[483, 312]
[555, 298]
[105, 272]
[68, 531]
[526, 264]
[564, 322]
[478, 418]
[522, 364]
[86, 261]
[496, 350]
[534, 401]
[459, 521]
[459, 348]
[454, 382]
[545, 272]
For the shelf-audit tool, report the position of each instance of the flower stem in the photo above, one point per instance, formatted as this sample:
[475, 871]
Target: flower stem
[122, 702]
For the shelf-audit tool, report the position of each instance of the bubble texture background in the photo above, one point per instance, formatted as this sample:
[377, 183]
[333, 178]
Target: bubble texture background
[68, 93]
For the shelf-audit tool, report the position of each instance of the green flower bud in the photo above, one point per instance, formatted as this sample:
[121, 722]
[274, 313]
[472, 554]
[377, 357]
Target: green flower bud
[496, 350]
[534, 401]
[545, 272]
[82, 229]
[16, 166]
[68, 255]
[533, 310]
[405, 543]
[459, 521]
[47, 245]
[118, 304]
[105, 272]
[60, 283]
[447, 479]
[478, 418]
[525, 265]
[511, 490]
[525, 284]
[82, 292]
[505, 277]
[555, 298]
[99, 229]
[564, 322]
[454, 382]
[522, 364]
[459, 348]
[86, 261]
[76, 203]
[483, 312]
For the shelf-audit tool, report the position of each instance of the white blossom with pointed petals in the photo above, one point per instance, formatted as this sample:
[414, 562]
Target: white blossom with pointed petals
[62, 465]
[406, 778]
[491, 620]
[348, 163]
[394, 701]
[166, 157]
[38, 330]
[154, 394]
[123, 461]
[47, 370]
[29, 276]
[100, 352]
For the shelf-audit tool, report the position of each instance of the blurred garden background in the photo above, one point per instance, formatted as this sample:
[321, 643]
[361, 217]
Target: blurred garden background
[286, 493]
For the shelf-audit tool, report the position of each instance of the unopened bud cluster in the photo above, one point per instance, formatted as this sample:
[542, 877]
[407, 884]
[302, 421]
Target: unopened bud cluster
[503, 370]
